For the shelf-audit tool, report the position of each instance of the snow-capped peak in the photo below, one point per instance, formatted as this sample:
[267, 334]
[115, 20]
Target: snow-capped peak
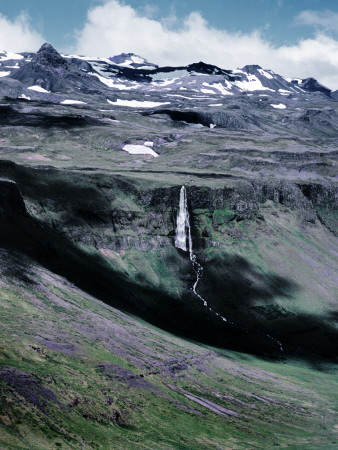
[132, 61]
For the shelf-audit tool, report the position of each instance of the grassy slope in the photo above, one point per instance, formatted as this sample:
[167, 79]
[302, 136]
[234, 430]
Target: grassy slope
[61, 335]
[53, 330]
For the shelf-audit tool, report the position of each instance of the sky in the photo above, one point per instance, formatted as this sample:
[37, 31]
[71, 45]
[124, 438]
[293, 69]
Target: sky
[295, 38]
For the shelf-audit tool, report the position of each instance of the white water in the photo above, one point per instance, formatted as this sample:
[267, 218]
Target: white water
[183, 223]
[183, 241]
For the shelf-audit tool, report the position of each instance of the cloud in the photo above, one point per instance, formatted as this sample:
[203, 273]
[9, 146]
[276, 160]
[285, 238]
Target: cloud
[18, 35]
[114, 27]
[327, 19]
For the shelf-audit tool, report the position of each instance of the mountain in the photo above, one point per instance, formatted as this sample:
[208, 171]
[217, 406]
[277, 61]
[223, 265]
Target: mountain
[50, 72]
[56, 73]
[132, 61]
[168, 255]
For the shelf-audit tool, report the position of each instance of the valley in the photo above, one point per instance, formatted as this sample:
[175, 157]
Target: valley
[168, 256]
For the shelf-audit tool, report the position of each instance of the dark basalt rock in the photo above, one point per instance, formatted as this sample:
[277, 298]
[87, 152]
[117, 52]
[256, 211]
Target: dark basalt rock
[226, 119]
[48, 56]
[31, 117]
[312, 85]
[210, 69]
[54, 73]
[324, 195]
[322, 119]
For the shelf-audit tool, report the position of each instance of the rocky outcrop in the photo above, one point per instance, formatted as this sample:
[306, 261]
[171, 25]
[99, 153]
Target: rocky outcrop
[312, 85]
[235, 120]
[48, 56]
[10, 88]
[49, 70]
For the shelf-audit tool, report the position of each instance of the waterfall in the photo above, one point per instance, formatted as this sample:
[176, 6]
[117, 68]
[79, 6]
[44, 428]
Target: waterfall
[183, 240]
[183, 223]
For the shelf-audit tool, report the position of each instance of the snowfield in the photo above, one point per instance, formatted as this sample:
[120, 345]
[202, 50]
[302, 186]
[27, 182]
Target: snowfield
[136, 103]
[253, 84]
[5, 56]
[112, 83]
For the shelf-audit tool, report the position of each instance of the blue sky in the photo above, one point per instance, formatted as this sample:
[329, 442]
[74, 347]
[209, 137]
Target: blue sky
[292, 37]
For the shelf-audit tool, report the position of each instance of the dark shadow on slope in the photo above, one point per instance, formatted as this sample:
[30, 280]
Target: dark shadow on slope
[184, 316]
[10, 116]
[234, 286]
[74, 194]
[231, 285]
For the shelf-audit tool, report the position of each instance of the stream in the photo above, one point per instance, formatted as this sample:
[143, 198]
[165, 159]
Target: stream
[183, 241]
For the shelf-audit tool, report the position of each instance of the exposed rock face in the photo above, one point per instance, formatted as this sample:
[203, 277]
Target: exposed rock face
[321, 194]
[10, 88]
[48, 56]
[236, 120]
[312, 85]
[153, 227]
[89, 216]
[49, 70]
[321, 119]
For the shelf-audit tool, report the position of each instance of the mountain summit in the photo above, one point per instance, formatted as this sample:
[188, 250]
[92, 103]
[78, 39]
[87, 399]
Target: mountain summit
[48, 56]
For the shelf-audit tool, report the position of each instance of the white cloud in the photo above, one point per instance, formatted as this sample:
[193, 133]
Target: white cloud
[113, 27]
[324, 19]
[18, 35]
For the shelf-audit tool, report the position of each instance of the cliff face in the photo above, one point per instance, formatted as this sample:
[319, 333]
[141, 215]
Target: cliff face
[112, 212]
[253, 240]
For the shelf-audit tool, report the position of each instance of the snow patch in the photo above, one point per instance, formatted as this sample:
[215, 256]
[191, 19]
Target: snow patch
[136, 103]
[137, 60]
[89, 58]
[279, 106]
[145, 68]
[207, 91]
[5, 56]
[134, 149]
[112, 83]
[253, 84]
[38, 89]
[24, 96]
[284, 91]
[4, 74]
[220, 87]
[72, 102]
[127, 63]
[265, 74]
[165, 82]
